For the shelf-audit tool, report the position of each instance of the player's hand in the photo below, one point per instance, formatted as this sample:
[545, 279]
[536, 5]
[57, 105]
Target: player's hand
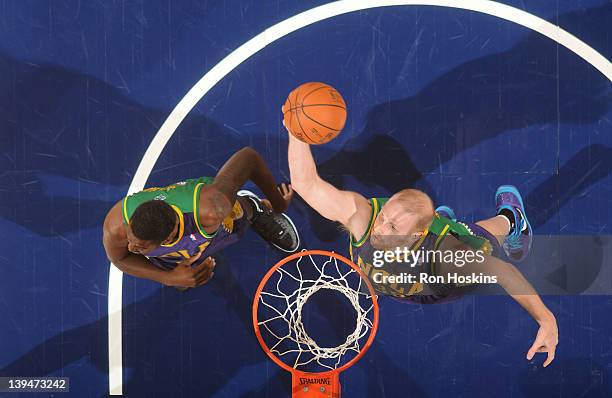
[185, 275]
[292, 138]
[287, 128]
[545, 341]
[286, 192]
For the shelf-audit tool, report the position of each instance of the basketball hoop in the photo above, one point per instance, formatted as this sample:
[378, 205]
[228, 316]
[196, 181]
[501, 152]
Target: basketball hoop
[282, 293]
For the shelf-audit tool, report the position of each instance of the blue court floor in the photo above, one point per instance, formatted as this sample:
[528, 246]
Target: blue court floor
[450, 101]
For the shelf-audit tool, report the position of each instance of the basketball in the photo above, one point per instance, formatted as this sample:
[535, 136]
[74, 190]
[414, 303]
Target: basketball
[314, 113]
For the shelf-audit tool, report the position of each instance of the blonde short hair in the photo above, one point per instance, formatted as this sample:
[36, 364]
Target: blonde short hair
[416, 202]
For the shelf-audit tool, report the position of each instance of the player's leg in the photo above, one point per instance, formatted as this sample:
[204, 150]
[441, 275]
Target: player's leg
[497, 226]
[510, 226]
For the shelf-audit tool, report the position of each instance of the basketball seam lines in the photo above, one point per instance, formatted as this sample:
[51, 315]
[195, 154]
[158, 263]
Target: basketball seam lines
[306, 106]
[290, 114]
[305, 114]
[318, 88]
[297, 117]
[317, 122]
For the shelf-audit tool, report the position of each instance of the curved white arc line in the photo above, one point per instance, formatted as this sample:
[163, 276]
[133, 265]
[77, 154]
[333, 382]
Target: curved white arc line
[260, 41]
[330, 10]
[115, 322]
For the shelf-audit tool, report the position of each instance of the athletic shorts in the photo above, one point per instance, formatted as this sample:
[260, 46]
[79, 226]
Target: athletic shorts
[451, 293]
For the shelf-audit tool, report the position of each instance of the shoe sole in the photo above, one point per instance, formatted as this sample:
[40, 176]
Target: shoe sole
[245, 192]
[513, 190]
[297, 234]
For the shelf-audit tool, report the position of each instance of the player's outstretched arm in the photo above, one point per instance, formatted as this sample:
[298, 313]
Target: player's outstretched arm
[348, 208]
[246, 164]
[515, 284]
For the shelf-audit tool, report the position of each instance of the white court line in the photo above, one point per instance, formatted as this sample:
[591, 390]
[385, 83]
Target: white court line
[251, 47]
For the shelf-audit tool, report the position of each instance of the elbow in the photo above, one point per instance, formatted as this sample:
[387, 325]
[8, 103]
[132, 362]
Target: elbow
[249, 152]
[116, 261]
[250, 157]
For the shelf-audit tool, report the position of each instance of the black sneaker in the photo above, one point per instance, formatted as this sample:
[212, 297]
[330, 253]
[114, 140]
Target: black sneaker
[276, 229]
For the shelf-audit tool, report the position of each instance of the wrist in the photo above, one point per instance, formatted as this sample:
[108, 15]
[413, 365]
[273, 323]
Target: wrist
[279, 206]
[546, 318]
[165, 278]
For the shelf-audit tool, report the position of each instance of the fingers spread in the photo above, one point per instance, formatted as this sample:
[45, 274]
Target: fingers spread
[532, 351]
[285, 189]
[550, 358]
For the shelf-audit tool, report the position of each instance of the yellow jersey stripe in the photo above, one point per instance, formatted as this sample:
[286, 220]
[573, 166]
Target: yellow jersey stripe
[366, 234]
[181, 226]
[125, 215]
[196, 216]
[441, 236]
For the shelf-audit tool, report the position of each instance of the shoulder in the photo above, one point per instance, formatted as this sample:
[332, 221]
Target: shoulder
[363, 220]
[114, 226]
[213, 205]
[369, 207]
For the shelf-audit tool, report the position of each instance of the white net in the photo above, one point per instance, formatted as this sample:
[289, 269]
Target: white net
[292, 287]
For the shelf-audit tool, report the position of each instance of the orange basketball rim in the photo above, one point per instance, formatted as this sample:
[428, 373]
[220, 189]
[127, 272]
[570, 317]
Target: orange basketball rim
[325, 383]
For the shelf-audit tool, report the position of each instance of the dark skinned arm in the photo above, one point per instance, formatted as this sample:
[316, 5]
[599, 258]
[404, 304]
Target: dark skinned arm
[116, 247]
[219, 197]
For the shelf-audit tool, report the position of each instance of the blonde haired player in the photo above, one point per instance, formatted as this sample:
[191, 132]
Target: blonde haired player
[408, 218]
